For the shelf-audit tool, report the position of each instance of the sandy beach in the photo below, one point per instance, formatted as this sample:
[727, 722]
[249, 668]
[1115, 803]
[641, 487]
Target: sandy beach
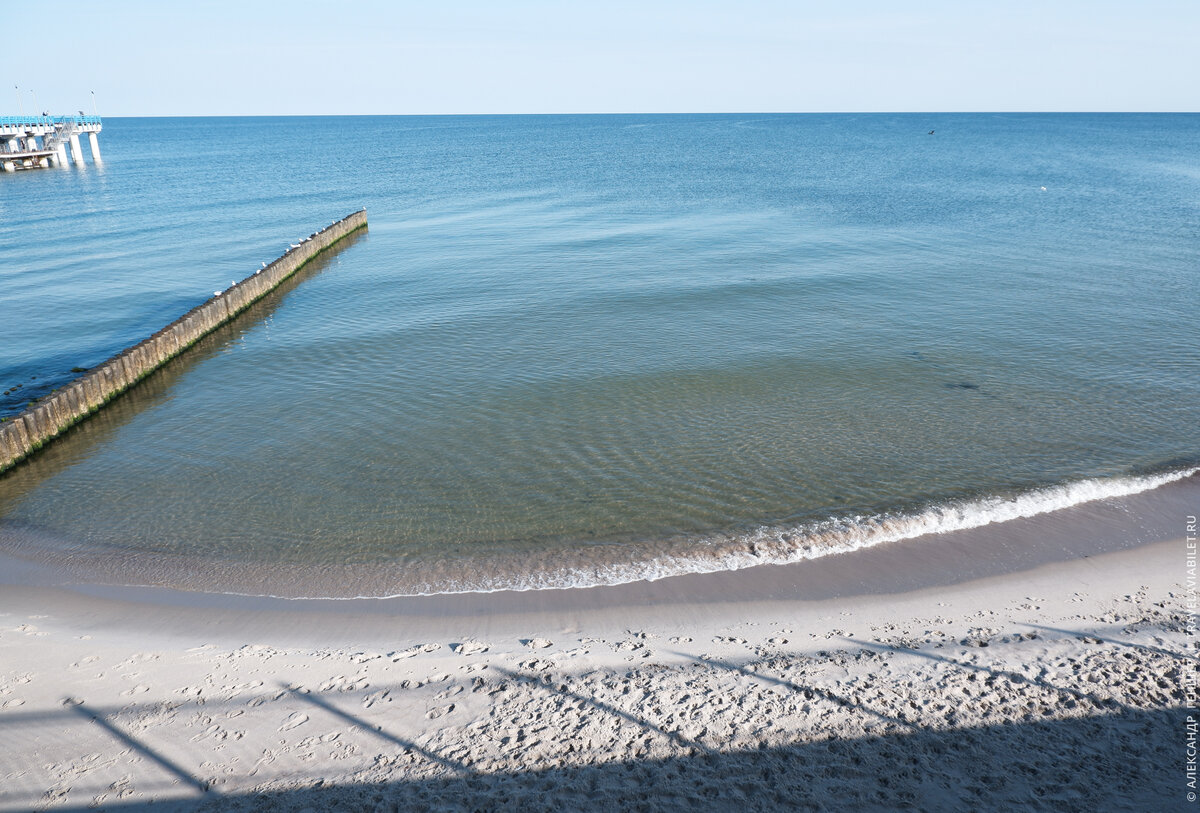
[1049, 673]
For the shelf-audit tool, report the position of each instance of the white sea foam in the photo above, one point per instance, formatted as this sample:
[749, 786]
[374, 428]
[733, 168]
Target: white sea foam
[789, 544]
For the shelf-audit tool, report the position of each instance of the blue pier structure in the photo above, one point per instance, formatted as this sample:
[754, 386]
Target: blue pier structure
[38, 142]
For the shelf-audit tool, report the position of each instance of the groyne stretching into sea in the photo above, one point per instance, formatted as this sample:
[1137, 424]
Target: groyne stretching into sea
[50, 416]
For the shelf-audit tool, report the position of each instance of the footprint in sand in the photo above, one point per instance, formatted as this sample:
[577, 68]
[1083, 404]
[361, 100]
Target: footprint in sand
[415, 650]
[537, 643]
[374, 698]
[570, 653]
[433, 714]
[295, 721]
[138, 689]
[469, 648]
[339, 683]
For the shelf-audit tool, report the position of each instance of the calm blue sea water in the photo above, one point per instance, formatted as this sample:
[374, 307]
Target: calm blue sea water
[587, 349]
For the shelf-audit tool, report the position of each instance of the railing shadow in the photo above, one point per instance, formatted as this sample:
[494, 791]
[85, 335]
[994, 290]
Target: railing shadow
[1012, 677]
[377, 731]
[1045, 765]
[142, 748]
[1123, 754]
[1089, 634]
[673, 736]
[808, 692]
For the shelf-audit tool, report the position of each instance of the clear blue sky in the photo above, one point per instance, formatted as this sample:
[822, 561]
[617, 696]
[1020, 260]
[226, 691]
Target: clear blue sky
[302, 57]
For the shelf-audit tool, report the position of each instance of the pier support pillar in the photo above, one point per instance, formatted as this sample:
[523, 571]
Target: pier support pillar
[9, 166]
[62, 155]
[76, 150]
[95, 144]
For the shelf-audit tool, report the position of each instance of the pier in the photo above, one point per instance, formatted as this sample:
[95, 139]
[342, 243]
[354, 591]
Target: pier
[39, 142]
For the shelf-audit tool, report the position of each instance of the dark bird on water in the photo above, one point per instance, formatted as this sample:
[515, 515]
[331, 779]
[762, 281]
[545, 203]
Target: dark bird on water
[931, 132]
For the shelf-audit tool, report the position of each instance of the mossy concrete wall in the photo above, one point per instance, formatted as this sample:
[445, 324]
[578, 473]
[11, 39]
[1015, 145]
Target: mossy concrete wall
[52, 415]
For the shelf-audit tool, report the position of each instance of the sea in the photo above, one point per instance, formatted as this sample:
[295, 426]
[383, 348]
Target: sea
[583, 350]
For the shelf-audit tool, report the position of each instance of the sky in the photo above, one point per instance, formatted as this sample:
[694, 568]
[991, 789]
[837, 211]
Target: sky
[303, 57]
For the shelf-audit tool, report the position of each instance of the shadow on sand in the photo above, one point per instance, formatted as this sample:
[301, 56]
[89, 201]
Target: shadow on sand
[1130, 759]
[1007, 767]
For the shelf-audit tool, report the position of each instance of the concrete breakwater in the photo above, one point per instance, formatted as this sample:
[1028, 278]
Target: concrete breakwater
[53, 414]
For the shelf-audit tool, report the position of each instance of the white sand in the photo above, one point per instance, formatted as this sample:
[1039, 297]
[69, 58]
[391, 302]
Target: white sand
[1057, 687]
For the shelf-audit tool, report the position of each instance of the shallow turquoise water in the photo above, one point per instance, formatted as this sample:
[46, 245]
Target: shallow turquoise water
[574, 350]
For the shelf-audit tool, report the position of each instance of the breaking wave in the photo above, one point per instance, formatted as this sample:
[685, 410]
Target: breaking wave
[786, 544]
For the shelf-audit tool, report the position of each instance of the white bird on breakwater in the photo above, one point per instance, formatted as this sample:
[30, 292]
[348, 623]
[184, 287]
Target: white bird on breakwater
[216, 293]
[264, 265]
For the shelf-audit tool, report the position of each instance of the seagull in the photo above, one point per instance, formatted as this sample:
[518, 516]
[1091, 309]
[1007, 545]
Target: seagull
[216, 293]
[931, 132]
[264, 265]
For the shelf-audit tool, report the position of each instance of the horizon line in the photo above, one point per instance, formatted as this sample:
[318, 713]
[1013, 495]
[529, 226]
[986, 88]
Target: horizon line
[663, 113]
